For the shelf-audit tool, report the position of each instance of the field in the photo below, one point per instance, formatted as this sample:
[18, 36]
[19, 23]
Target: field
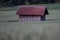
[12, 29]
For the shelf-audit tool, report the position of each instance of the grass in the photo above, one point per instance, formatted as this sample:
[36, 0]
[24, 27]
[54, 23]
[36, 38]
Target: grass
[54, 6]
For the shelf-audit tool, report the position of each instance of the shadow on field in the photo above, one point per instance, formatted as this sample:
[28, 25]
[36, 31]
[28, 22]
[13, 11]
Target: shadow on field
[13, 21]
[9, 21]
[18, 20]
[53, 20]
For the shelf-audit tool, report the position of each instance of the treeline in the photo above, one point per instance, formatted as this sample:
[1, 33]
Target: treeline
[20, 2]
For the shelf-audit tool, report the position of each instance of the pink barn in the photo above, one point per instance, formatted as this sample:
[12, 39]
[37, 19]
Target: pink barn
[32, 13]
